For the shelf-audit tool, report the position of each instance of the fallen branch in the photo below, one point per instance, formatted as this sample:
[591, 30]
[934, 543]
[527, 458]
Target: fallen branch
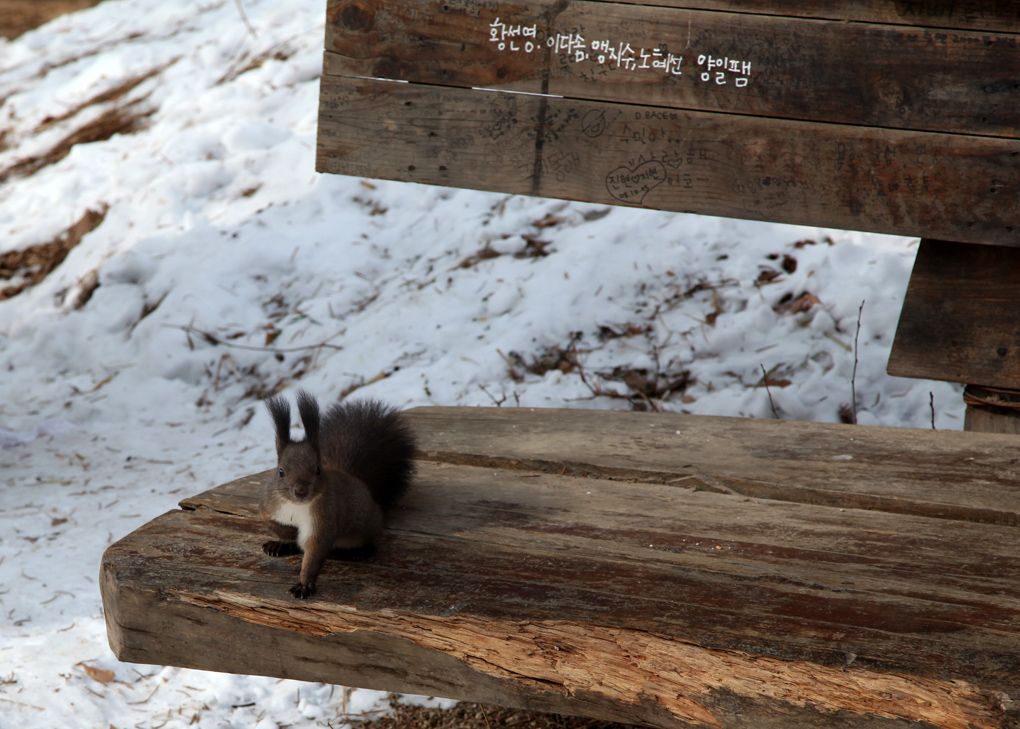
[244, 17]
[216, 341]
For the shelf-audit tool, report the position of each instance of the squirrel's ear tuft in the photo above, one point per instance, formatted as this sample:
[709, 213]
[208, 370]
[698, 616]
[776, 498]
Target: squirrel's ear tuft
[279, 410]
[309, 410]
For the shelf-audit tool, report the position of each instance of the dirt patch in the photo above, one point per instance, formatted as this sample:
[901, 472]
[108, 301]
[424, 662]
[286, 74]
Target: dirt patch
[20, 16]
[480, 716]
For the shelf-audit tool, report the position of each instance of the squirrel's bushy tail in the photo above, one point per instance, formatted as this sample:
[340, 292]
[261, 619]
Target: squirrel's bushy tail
[368, 440]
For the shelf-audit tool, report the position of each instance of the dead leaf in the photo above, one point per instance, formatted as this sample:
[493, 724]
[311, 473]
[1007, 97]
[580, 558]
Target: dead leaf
[802, 303]
[549, 221]
[98, 674]
[484, 254]
[535, 248]
[631, 330]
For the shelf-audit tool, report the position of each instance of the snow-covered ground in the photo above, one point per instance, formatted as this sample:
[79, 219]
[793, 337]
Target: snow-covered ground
[227, 270]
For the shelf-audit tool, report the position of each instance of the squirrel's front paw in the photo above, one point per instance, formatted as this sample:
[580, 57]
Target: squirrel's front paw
[280, 549]
[301, 590]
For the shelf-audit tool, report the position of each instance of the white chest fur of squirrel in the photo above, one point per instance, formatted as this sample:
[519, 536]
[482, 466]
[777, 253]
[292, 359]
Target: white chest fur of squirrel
[331, 490]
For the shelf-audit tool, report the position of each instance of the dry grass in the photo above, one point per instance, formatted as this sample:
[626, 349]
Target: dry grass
[647, 389]
[250, 62]
[31, 265]
[20, 16]
[117, 120]
[113, 94]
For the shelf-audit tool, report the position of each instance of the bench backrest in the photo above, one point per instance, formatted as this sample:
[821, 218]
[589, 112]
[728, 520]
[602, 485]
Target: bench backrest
[893, 117]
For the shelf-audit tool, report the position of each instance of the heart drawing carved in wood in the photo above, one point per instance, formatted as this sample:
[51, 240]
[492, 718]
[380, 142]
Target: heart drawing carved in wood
[631, 185]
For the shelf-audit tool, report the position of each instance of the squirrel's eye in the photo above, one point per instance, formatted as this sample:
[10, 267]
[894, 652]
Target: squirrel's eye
[281, 473]
[318, 471]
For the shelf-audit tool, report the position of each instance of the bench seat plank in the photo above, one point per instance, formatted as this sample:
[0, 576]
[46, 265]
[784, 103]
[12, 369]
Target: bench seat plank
[506, 580]
[947, 474]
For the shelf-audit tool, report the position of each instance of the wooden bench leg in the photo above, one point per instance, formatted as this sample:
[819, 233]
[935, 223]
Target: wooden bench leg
[992, 410]
[961, 322]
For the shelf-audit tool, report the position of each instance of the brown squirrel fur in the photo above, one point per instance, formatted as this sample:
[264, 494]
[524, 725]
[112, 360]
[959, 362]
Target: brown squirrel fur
[330, 491]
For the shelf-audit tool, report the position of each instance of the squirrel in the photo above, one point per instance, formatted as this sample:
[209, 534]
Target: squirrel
[331, 490]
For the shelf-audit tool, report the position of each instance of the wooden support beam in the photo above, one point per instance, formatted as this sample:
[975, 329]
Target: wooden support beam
[961, 322]
[992, 410]
[669, 570]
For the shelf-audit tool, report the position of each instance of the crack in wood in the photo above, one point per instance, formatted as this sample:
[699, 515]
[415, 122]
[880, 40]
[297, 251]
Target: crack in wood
[563, 467]
[634, 666]
[754, 488]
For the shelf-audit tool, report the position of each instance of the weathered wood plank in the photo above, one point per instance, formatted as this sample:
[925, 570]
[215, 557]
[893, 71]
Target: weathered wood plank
[961, 316]
[791, 68]
[951, 475]
[620, 520]
[543, 590]
[888, 181]
[992, 16]
[239, 497]
[885, 469]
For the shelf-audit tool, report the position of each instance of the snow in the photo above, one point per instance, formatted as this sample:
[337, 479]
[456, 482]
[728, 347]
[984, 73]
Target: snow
[228, 268]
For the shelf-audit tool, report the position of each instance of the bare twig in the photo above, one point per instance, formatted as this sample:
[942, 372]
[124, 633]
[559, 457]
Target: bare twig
[511, 367]
[765, 379]
[596, 391]
[145, 700]
[931, 403]
[244, 17]
[853, 377]
[497, 403]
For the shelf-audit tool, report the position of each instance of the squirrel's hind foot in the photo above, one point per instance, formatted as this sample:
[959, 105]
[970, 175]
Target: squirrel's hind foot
[281, 549]
[302, 591]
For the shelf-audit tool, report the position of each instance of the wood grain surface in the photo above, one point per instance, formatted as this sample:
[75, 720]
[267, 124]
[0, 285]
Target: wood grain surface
[961, 316]
[901, 122]
[778, 67]
[992, 16]
[625, 566]
[946, 186]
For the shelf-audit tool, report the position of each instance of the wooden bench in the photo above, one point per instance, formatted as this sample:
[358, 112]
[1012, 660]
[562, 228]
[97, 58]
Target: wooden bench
[674, 570]
[664, 569]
